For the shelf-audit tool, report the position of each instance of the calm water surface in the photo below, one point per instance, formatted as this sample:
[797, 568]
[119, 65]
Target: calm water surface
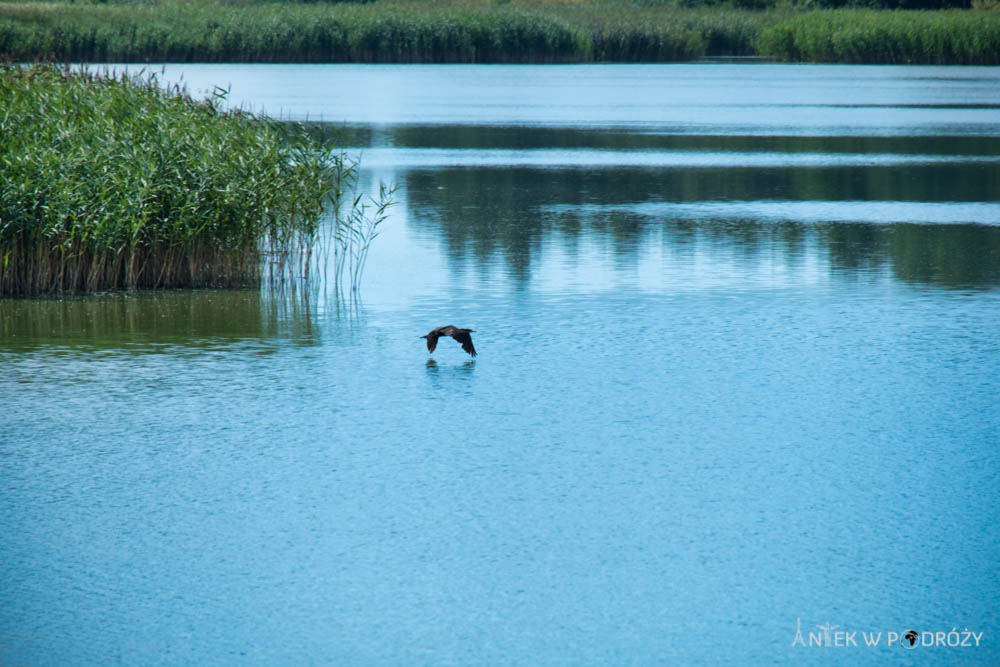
[739, 367]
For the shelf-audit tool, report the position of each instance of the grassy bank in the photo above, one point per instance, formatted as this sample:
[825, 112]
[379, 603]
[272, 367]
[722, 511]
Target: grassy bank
[115, 183]
[537, 31]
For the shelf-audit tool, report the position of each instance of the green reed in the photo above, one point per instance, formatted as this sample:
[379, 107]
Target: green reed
[486, 31]
[283, 33]
[867, 36]
[534, 31]
[121, 183]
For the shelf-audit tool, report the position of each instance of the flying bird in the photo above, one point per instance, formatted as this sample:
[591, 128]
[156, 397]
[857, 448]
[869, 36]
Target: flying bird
[461, 335]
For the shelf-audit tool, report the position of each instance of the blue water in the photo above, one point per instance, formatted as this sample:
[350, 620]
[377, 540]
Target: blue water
[716, 397]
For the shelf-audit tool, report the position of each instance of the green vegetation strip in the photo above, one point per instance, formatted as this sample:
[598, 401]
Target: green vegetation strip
[119, 183]
[535, 31]
[864, 36]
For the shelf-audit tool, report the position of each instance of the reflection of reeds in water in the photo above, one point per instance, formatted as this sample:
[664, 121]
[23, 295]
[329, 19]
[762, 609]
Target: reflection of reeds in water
[480, 223]
[118, 183]
[164, 319]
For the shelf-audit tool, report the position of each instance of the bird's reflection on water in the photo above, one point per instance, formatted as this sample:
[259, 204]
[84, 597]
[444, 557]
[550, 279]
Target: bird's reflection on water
[437, 372]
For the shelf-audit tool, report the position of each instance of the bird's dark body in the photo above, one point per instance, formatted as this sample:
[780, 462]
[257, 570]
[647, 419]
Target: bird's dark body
[461, 335]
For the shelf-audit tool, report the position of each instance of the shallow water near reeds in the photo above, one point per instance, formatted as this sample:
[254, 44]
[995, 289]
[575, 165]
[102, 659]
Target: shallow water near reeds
[739, 353]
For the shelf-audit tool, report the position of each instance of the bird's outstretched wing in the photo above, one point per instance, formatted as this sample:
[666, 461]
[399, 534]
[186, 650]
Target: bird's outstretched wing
[432, 342]
[465, 339]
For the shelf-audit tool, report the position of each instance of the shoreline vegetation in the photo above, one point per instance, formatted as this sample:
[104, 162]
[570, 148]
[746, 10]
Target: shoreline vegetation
[124, 183]
[500, 31]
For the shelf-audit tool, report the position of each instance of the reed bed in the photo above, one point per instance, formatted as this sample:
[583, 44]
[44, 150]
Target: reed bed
[951, 37]
[285, 33]
[489, 31]
[112, 183]
[535, 31]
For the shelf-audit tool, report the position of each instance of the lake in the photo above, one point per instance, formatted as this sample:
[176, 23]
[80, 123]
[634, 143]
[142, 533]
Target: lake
[738, 379]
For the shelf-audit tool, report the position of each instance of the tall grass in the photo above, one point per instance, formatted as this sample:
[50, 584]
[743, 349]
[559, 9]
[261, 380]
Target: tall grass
[284, 33]
[634, 34]
[399, 31]
[485, 31]
[867, 36]
[118, 183]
